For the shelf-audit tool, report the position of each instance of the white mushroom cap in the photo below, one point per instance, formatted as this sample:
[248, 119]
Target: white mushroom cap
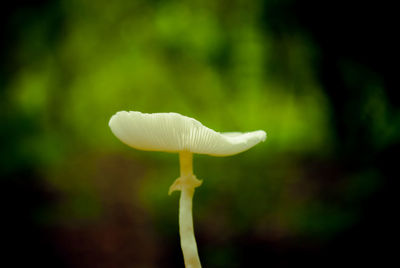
[173, 132]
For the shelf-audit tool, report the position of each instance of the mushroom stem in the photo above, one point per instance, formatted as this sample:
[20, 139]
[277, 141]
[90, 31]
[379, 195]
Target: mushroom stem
[187, 183]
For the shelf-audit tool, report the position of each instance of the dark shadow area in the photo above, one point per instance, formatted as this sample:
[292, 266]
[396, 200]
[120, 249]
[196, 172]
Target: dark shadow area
[357, 48]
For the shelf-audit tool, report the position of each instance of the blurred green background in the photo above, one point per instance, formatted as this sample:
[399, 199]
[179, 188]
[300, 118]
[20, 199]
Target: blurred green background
[316, 193]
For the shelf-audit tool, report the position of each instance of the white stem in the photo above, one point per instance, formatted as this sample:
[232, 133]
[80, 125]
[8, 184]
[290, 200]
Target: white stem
[187, 184]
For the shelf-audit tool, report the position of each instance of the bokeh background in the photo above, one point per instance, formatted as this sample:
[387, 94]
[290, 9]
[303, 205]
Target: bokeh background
[317, 76]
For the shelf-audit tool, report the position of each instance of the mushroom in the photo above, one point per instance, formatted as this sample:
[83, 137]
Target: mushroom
[173, 132]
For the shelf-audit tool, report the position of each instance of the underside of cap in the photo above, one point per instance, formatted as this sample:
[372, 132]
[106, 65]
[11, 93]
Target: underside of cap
[173, 132]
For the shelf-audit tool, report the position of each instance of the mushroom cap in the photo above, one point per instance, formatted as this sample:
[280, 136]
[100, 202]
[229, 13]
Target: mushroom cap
[173, 132]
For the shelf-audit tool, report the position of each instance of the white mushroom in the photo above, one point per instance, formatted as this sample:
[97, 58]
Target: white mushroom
[173, 132]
